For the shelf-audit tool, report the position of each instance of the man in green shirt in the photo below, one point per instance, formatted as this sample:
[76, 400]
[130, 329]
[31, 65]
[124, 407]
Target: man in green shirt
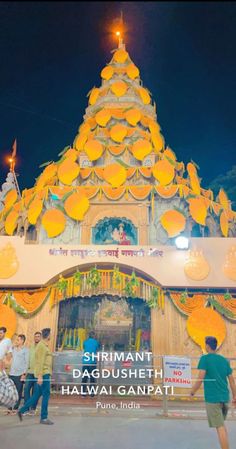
[30, 379]
[215, 371]
[42, 373]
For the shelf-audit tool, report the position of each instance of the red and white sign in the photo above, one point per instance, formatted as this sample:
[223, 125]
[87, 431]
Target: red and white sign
[177, 372]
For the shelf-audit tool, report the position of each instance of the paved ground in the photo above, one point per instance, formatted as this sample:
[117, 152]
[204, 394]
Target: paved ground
[86, 429]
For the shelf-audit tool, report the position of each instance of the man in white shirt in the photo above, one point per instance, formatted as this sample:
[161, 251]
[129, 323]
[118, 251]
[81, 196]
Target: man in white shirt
[8, 392]
[20, 361]
[5, 347]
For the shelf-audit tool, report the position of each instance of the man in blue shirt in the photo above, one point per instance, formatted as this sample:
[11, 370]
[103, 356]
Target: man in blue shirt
[90, 346]
[215, 372]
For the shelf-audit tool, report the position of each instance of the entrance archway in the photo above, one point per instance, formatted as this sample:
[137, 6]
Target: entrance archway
[120, 323]
[120, 316]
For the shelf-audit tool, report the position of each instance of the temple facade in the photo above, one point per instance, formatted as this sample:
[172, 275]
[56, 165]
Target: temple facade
[93, 243]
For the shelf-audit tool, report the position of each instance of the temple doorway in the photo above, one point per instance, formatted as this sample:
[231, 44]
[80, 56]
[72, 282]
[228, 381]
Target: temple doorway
[121, 324]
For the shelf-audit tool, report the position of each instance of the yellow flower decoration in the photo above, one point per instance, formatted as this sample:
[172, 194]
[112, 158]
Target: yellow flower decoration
[54, 222]
[94, 96]
[120, 56]
[141, 148]
[145, 97]
[118, 133]
[94, 149]
[107, 72]
[119, 88]
[133, 116]
[68, 170]
[76, 205]
[164, 172]
[173, 222]
[102, 117]
[203, 322]
[11, 222]
[115, 174]
[132, 71]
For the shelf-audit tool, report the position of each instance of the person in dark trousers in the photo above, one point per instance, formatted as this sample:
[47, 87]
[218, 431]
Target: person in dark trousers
[215, 372]
[30, 379]
[20, 360]
[90, 347]
[42, 372]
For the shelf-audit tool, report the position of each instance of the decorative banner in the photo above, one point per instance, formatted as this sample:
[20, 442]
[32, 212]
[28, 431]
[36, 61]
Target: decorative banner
[229, 267]
[34, 211]
[164, 172]
[173, 222]
[223, 199]
[76, 206]
[8, 319]
[114, 252]
[11, 222]
[54, 222]
[198, 210]
[10, 198]
[203, 322]
[9, 264]
[68, 170]
[196, 267]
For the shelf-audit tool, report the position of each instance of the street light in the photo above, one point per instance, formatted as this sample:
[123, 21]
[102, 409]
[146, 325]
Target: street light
[182, 242]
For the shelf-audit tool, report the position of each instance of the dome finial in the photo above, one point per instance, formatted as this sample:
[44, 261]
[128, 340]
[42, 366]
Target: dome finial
[120, 30]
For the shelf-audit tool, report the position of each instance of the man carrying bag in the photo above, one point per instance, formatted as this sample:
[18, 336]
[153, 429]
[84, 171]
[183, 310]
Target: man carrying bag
[8, 392]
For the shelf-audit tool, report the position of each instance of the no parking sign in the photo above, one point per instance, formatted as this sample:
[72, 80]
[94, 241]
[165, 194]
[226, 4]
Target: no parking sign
[177, 372]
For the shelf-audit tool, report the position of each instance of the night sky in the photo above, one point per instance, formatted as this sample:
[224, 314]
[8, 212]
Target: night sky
[52, 54]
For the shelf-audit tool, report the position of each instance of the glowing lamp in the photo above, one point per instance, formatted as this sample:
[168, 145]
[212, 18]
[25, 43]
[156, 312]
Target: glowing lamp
[117, 33]
[182, 242]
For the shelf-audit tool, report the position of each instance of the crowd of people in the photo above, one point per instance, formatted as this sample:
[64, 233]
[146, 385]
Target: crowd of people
[29, 371]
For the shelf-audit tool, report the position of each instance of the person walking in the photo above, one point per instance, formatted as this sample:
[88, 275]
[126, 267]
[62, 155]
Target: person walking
[215, 372]
[20, 360]
[90, 346]
[8, 392]
[5, 348]
[42, 373]
[30, 378]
